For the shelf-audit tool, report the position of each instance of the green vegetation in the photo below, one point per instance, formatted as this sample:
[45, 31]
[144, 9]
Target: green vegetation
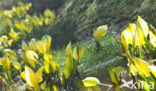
[72, 50]
[138, 40]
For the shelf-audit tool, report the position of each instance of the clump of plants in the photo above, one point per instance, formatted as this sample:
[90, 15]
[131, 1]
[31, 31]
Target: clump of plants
[39, 71]
[139, 43]
[31, 63]
[17, 24]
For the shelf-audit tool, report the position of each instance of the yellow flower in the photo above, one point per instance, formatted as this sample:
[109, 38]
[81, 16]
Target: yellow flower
[55, 66]
[41, 47]
[55, 88]
[46, 39]
[10, 42]
[32, 44]
[127, 37]
[133, 69]
[49, 17]
[153, 42]
[47, 59]
[68, 67]
[143, 25]
[68, 50]
[141, 32]
[46, 21]
[5, 62]
[142, 66]
[31, 55]
[4, 38]
[13, 35]
[32, 79]
[8, 13]
[10, 52]
[100, 32]
[152, 38]
[31, 58]
[78, 52]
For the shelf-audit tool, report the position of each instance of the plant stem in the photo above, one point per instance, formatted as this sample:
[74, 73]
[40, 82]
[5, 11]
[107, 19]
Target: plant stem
[107, 85]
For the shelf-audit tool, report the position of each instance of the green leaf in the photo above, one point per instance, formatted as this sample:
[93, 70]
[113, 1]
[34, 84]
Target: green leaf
[43, 86]
[113, 77]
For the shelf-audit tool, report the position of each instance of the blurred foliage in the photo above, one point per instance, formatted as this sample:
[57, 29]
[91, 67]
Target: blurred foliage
[32, 60]
[41, 5]
[85, 15]
[17, 19]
